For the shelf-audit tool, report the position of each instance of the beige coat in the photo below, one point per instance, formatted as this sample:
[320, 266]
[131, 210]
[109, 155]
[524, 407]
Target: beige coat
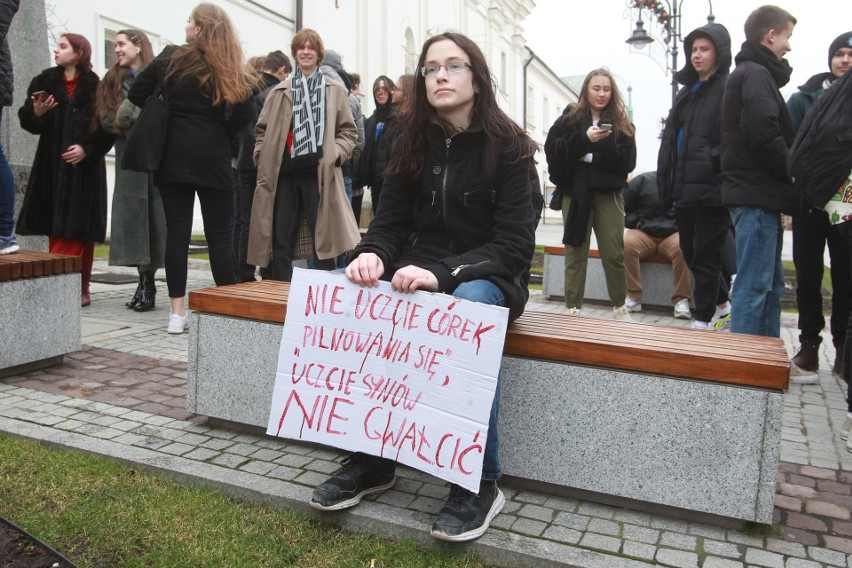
[336, 230]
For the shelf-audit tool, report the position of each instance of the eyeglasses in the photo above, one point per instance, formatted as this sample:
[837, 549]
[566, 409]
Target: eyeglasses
[454, 67]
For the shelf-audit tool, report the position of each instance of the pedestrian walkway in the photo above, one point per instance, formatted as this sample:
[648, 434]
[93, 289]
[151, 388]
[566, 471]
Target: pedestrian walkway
[123, 396]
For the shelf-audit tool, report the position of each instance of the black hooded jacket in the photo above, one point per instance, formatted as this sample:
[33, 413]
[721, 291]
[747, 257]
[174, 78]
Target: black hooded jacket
[367, 172]
[8, 8]
[757, 132]
[693, 175]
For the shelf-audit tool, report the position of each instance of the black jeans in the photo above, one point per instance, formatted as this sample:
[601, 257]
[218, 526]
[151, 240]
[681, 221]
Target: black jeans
[217, 210]
[292, 194]
[845, 231]
[246, 183]
[811, 232]
[704, 231]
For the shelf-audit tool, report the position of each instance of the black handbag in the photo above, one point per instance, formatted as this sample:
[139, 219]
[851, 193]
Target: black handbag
[143, 149]
[556, 200]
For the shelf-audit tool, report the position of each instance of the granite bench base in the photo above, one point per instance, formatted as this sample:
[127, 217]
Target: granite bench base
[43, 319]
[650, 441]
[657, 283]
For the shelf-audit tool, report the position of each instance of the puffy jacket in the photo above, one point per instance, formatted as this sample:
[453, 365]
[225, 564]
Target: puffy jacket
[644, 210]
[756, 134]
[456, 222]
[692, 174]
[8, 8]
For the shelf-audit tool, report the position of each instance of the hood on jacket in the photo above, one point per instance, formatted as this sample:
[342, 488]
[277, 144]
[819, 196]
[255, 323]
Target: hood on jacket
[718, 34]
[332, 66]
[388, 84]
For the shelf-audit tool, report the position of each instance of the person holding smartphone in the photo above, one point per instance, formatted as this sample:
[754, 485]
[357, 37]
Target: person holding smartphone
[590, 150]
[66, 196]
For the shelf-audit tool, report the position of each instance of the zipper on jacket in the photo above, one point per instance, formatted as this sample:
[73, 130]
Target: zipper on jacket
[461, 267]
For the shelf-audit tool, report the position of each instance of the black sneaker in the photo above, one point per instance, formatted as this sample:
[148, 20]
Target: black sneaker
[361, 475]
[466, 515]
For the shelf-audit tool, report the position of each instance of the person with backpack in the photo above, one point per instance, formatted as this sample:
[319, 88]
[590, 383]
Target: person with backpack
[820, 164]
[756, 134]
[811, 232]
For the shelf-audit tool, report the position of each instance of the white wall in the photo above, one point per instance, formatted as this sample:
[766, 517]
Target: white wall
[375, 37]
[263, 25]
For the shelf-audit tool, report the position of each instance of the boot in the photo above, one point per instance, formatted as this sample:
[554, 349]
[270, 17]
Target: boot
[147, 294]
[85, 296]
[135, 300]
[807, 357]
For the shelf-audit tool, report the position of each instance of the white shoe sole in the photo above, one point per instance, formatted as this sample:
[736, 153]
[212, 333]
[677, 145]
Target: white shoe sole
[496, 507]
[355, 500]
[10, 250]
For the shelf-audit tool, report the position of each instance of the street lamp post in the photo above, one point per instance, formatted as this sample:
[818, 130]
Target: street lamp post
[668, 15]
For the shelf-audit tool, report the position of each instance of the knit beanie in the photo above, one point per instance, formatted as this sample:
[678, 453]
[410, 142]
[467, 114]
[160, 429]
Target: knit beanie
[843, 40]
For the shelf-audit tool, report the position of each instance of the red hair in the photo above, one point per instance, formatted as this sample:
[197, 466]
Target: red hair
[83, 49]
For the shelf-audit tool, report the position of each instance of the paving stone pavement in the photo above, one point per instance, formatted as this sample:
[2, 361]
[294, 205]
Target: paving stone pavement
[123, 396]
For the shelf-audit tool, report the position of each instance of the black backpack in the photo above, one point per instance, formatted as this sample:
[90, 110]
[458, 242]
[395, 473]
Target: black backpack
[821, 157]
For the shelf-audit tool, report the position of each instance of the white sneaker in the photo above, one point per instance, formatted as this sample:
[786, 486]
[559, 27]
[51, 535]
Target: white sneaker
[177, 324]
[621, 313]
[847, 427]
[721, 320]
[800, 376]
[681, 309]
[701, 325]
[633, 306]
[573, 311]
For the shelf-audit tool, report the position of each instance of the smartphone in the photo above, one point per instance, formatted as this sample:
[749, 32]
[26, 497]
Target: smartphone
[605, 126]
[39, 95]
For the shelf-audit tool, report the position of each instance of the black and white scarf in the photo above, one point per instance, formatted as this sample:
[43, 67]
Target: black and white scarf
[308, 113]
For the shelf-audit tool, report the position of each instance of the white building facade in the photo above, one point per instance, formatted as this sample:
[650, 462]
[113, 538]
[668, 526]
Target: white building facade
[375, 37]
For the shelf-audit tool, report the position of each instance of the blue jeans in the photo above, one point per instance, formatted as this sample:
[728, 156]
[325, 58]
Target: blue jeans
[486, 292]
[756, 301]
[7, 194]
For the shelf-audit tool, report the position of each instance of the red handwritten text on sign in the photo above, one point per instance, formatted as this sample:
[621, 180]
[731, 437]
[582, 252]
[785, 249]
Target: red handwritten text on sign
[410, 377]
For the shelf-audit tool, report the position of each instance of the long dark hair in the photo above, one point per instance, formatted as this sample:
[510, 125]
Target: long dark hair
[108, 97]
[615, 111]
[499, 128]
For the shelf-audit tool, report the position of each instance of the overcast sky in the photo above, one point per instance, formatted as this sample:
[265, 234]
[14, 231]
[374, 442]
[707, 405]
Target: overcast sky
[576, 36]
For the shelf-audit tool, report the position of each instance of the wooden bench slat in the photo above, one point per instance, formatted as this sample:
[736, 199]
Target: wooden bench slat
[635, 347]
[29, 264]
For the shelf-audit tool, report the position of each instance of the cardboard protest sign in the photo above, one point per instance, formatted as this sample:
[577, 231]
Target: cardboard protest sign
[409, 377]
[839, 209]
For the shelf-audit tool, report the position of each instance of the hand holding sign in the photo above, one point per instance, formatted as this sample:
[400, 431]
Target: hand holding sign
[409, 377]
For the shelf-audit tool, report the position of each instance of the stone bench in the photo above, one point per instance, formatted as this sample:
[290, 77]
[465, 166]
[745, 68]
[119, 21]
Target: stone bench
[656, 274]
[39, 308]
[618, 412]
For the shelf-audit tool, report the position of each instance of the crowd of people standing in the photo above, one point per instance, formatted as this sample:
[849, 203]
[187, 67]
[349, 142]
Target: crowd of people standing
[279, 155]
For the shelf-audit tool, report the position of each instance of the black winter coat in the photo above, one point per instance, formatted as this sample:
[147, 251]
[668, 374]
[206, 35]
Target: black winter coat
[375, 155]
[197, 149]
[644, 210]
[756, 134]
[8, 8]
[245, 157]
[456, 221]
[65, 200]
[693, 176]
[613, 158]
